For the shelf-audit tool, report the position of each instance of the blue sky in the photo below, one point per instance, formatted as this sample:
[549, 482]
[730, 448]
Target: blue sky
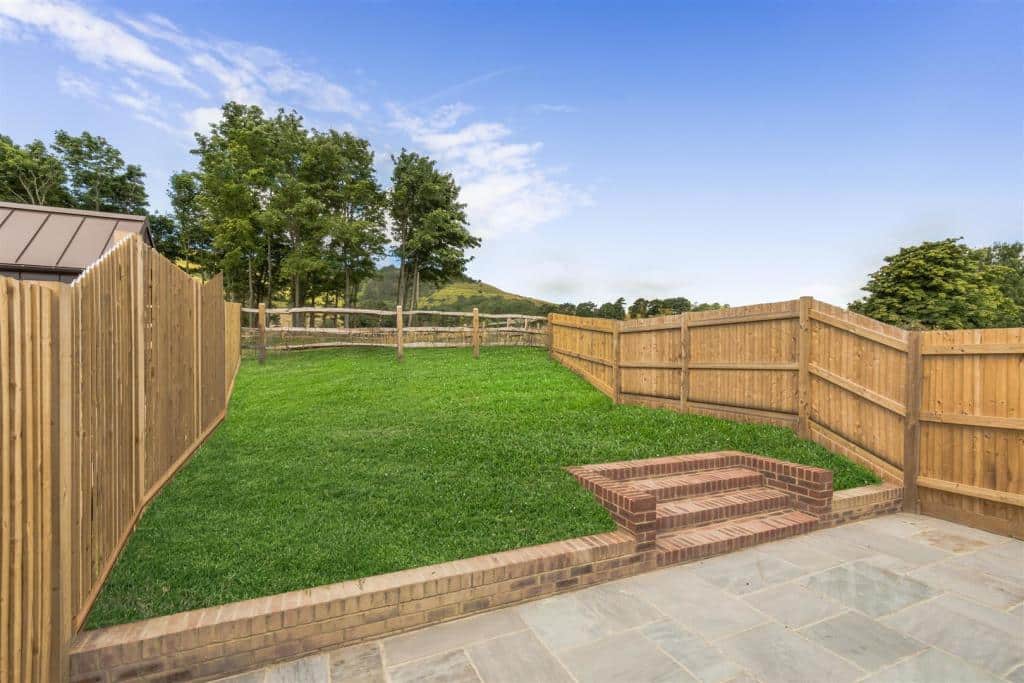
[737, 152]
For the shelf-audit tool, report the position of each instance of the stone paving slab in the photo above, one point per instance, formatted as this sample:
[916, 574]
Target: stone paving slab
[896, 598]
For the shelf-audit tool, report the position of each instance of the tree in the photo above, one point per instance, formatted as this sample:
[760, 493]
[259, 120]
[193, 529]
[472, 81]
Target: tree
[97, 176]
[1006, 264]
[165, 232]
[429, 225]
[339, 171]
[939, 285]
[616, 310]
[239, 173]
[195, 240]
[31, 174]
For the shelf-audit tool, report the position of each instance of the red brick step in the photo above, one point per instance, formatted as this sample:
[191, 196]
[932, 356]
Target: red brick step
[698, 483]
[724, 537]
[703, 510]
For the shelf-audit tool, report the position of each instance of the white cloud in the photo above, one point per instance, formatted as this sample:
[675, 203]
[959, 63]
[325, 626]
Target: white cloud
[152, 48]
[503, 186]
[76, 85]
[93, 39]
[200, 119]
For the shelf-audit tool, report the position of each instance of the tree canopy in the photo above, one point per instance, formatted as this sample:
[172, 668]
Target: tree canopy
[76, 171]
[946, 284]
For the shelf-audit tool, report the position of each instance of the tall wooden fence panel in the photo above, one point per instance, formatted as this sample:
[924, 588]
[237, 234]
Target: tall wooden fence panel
[30, 612]
[742, 363]
[650, 360]
[586, 346]
[941, 412]
[972, 427]
[109, 391]
[106, 387]
[857, 371]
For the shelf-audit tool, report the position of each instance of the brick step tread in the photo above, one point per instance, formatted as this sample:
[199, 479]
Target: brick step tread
[724, 537]
[702, 510]
[698, 483]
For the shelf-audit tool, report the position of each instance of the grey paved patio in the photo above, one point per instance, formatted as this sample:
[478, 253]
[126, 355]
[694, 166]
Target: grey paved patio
[898, 598]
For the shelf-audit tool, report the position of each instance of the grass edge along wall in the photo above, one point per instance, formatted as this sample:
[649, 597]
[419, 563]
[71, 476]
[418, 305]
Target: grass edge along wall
[940, 412]
[109, 385]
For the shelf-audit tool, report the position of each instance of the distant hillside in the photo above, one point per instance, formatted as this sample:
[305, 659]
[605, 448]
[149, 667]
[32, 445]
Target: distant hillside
[463, 295]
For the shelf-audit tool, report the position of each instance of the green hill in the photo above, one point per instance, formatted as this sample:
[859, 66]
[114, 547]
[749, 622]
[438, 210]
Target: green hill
[462, 295]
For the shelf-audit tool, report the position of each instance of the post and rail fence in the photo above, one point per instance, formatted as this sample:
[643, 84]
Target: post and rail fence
[107, 387]
[290, 329]
[940, 412]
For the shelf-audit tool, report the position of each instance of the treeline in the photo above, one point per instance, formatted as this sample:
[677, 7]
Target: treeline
[288, 214]
[298, 216]
[641, 308]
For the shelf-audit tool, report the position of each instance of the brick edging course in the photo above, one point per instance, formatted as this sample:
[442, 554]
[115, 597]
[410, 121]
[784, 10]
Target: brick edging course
[228, 639]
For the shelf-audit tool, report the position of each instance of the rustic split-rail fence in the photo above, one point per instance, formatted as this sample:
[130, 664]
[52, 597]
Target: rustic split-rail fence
[939, 412]
[290, 329]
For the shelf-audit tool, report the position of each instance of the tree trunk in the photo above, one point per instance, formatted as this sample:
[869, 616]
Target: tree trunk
[401, 283]
[297, 301]
[252, 288]
[348, 293]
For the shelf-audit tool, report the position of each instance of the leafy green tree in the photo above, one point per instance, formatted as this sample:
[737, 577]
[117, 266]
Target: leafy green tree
[97, 176]
[1006, 264]
[239, 174]
[31, 174]
[339, 171]
[586, 309]
[165, 232]
[936, 285]
[428, 224]
[195, 240]
[616, 310]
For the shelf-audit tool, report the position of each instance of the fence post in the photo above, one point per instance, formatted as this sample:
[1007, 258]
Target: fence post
[912, 423]
[616, 364]
[549, 337]
[399, 347]
[684, 366]
[803, 428]
[476, 332]
[261, 342]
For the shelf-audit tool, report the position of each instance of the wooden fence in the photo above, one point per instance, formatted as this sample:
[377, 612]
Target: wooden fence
[289, 329]
[107, 386]
[941, 412]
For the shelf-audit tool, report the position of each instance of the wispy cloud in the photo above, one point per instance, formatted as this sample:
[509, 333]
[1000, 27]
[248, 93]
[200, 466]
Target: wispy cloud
[554, 108]
[76, 85]
[147, 67]
[452, 90]
[94, 39]
[503, 185]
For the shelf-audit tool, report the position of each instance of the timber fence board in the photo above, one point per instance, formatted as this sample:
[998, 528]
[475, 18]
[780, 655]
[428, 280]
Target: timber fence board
[107, 386]
[941, 412]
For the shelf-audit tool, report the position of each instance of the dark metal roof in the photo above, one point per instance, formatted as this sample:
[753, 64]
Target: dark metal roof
[57, 240]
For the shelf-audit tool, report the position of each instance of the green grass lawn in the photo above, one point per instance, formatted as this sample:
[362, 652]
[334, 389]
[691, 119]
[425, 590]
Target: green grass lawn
[339, 464]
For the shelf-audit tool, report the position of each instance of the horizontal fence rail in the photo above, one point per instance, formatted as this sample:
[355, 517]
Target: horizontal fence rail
[288, 329]
[941, 412]
[107, 386]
